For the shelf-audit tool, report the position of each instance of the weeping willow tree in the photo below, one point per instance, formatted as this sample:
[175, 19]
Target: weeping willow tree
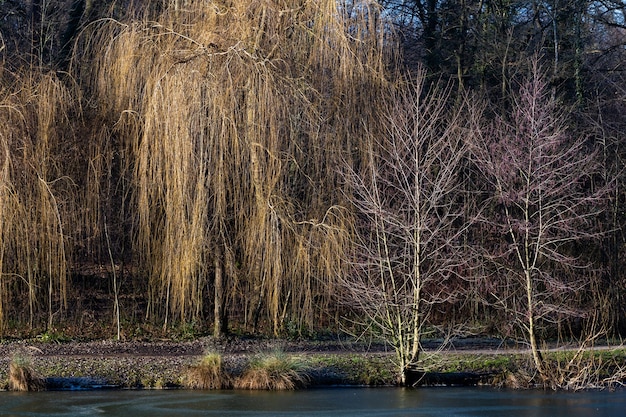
[234, 116]
[38, 198]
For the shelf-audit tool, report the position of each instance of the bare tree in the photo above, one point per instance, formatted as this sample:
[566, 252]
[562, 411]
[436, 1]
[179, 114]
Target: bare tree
[409, 240]
[543, 203]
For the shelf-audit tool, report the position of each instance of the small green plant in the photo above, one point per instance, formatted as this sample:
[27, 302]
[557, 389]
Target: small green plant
[273, 371]
[22, 376]
[208, 374]
[52, 336]
[187, 331]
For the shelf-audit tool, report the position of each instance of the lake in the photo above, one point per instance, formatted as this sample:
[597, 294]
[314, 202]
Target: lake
[315, 402]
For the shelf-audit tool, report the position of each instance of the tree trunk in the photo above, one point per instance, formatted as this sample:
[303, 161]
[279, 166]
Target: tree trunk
[218, 320]
[36, 24]
[537, 357]
[77, 10]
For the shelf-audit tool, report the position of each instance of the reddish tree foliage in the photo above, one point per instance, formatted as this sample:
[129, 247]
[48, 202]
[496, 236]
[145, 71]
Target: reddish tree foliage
[541, 176]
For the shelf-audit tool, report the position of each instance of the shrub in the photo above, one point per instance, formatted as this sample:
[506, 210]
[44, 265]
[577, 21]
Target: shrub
[273, 371]
[208, 374]
[22, 376]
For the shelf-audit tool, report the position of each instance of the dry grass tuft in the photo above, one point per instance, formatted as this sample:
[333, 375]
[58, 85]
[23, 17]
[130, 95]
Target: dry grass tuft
[22, 376]
[273, 371]
[209, 374]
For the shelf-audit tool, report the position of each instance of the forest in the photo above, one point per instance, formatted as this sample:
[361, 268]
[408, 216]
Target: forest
[402, 169]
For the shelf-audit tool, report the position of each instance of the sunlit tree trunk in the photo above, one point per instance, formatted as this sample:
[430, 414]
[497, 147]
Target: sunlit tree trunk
[218, 313]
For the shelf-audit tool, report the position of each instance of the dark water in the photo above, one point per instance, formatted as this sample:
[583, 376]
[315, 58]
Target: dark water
[317, 402]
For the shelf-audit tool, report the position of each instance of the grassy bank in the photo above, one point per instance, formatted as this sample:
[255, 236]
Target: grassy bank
[161, 367]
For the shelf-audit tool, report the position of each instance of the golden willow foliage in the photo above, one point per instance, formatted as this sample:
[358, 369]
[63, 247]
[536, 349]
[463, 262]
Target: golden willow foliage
[38, 198]
[234, 116]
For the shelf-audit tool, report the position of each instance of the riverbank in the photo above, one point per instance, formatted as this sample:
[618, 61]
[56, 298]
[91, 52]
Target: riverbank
[164, 364]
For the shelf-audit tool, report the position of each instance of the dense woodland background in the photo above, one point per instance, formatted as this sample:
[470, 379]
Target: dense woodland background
[285, 166]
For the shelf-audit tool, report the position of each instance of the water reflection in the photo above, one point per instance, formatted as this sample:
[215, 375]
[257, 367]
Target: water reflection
[333, 402]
